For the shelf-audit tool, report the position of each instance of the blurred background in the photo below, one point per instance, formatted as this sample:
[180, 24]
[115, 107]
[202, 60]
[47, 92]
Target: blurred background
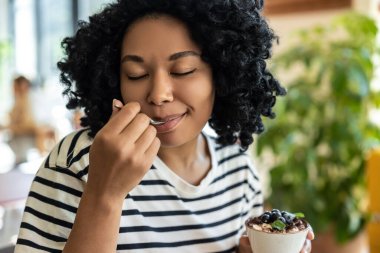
[320, 156]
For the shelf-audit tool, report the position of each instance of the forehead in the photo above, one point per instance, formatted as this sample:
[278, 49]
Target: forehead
[157, 33]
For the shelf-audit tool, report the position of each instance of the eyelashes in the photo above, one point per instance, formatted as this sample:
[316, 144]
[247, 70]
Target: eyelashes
[183, 73]
[133, 78]
[175, 74]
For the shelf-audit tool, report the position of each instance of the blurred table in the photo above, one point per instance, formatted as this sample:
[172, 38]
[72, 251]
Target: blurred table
[14, 188]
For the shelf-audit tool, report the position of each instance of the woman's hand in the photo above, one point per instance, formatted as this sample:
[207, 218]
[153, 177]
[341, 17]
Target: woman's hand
[245, 247]
[122, 152]
[307, 245]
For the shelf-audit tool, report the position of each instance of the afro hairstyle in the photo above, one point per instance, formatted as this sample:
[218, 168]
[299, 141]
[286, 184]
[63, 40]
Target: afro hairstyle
[235, 40]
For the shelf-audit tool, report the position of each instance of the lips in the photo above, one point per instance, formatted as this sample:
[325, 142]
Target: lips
[167, 118]
[167, 123]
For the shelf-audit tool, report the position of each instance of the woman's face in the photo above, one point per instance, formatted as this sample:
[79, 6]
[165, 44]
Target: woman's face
[161, 68]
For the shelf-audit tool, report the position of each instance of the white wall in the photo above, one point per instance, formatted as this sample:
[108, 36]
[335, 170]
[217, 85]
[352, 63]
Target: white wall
[3, 19]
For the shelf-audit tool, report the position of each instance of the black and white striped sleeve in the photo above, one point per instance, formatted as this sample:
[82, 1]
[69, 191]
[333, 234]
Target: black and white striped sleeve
[53, 200]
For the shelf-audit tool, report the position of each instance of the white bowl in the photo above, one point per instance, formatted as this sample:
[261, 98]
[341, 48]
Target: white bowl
[264, 242]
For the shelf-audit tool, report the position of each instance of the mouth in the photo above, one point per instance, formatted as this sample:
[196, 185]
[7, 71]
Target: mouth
[167, 124]
[156, 122]
[160, 121]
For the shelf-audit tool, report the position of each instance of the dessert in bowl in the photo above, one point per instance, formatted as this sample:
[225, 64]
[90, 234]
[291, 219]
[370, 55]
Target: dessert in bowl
[277, 231]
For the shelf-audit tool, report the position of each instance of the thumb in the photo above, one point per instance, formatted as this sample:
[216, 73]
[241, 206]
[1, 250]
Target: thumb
[244, 245]
[116, 106]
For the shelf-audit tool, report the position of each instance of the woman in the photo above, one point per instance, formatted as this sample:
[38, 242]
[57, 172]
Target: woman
[22, 125]
[142, 176]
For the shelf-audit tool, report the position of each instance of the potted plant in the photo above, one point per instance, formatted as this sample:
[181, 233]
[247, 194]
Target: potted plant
[322, 132]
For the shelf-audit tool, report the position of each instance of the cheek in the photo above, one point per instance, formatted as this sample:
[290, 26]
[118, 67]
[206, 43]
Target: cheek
[200, 95]
[132, 93]
[204, 92]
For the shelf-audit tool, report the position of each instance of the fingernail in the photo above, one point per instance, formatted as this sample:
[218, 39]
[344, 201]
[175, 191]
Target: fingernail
[312, 235]
[312, 231]
[115, 104]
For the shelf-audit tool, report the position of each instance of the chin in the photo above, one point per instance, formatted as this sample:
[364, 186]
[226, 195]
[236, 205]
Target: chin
[177, 138]
[170, 140]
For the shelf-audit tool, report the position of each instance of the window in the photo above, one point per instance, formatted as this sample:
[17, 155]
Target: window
[31, 32]
[54, 22]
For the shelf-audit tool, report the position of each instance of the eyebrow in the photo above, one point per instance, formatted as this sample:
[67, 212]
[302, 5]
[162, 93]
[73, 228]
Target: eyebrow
[178, 55]
[173, 57]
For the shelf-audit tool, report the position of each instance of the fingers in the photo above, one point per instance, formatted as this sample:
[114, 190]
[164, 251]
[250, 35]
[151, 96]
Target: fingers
[153, 148]
[137, 127]
[116, 106]
[310, 234]
[139, 130]
[121, 116]
[244, 240]
[306, 247]
[244, 246]
[146, 139]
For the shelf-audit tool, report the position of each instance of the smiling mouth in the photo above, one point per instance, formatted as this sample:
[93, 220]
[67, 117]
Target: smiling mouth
[157, 122]
[167, 124]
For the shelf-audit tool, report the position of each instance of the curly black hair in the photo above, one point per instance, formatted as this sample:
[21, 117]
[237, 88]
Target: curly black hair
[234, 38]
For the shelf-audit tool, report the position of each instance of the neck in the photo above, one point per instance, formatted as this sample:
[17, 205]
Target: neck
[190, 161]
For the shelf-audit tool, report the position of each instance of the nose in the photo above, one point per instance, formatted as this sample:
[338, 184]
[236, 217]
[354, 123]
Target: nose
[161, 90]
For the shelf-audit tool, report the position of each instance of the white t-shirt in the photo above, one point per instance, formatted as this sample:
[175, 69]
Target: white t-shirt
[163, 213]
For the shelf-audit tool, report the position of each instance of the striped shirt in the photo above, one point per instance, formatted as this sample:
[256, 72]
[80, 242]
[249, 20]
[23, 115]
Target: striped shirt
[164, 213]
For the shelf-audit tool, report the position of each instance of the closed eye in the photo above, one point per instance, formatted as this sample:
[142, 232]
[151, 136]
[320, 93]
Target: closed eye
[137, 77]
[134, 78]
[183, 73]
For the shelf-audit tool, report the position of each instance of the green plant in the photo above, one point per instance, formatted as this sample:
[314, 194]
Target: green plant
[5, 52]
[321, 134]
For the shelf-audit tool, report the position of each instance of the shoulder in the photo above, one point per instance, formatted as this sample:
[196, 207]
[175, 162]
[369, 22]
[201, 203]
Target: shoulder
[70, 149]
[227, 153]
[232, 156]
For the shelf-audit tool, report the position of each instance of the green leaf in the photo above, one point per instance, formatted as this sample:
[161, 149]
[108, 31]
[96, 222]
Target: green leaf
[279, 225]
[299, 215]
[360, 84]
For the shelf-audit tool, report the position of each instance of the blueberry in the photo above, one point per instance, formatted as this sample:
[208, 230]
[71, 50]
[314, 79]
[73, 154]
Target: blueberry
[282, 219]
[289, 218]
[271, 218]
[274, 216]
[265, 218]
